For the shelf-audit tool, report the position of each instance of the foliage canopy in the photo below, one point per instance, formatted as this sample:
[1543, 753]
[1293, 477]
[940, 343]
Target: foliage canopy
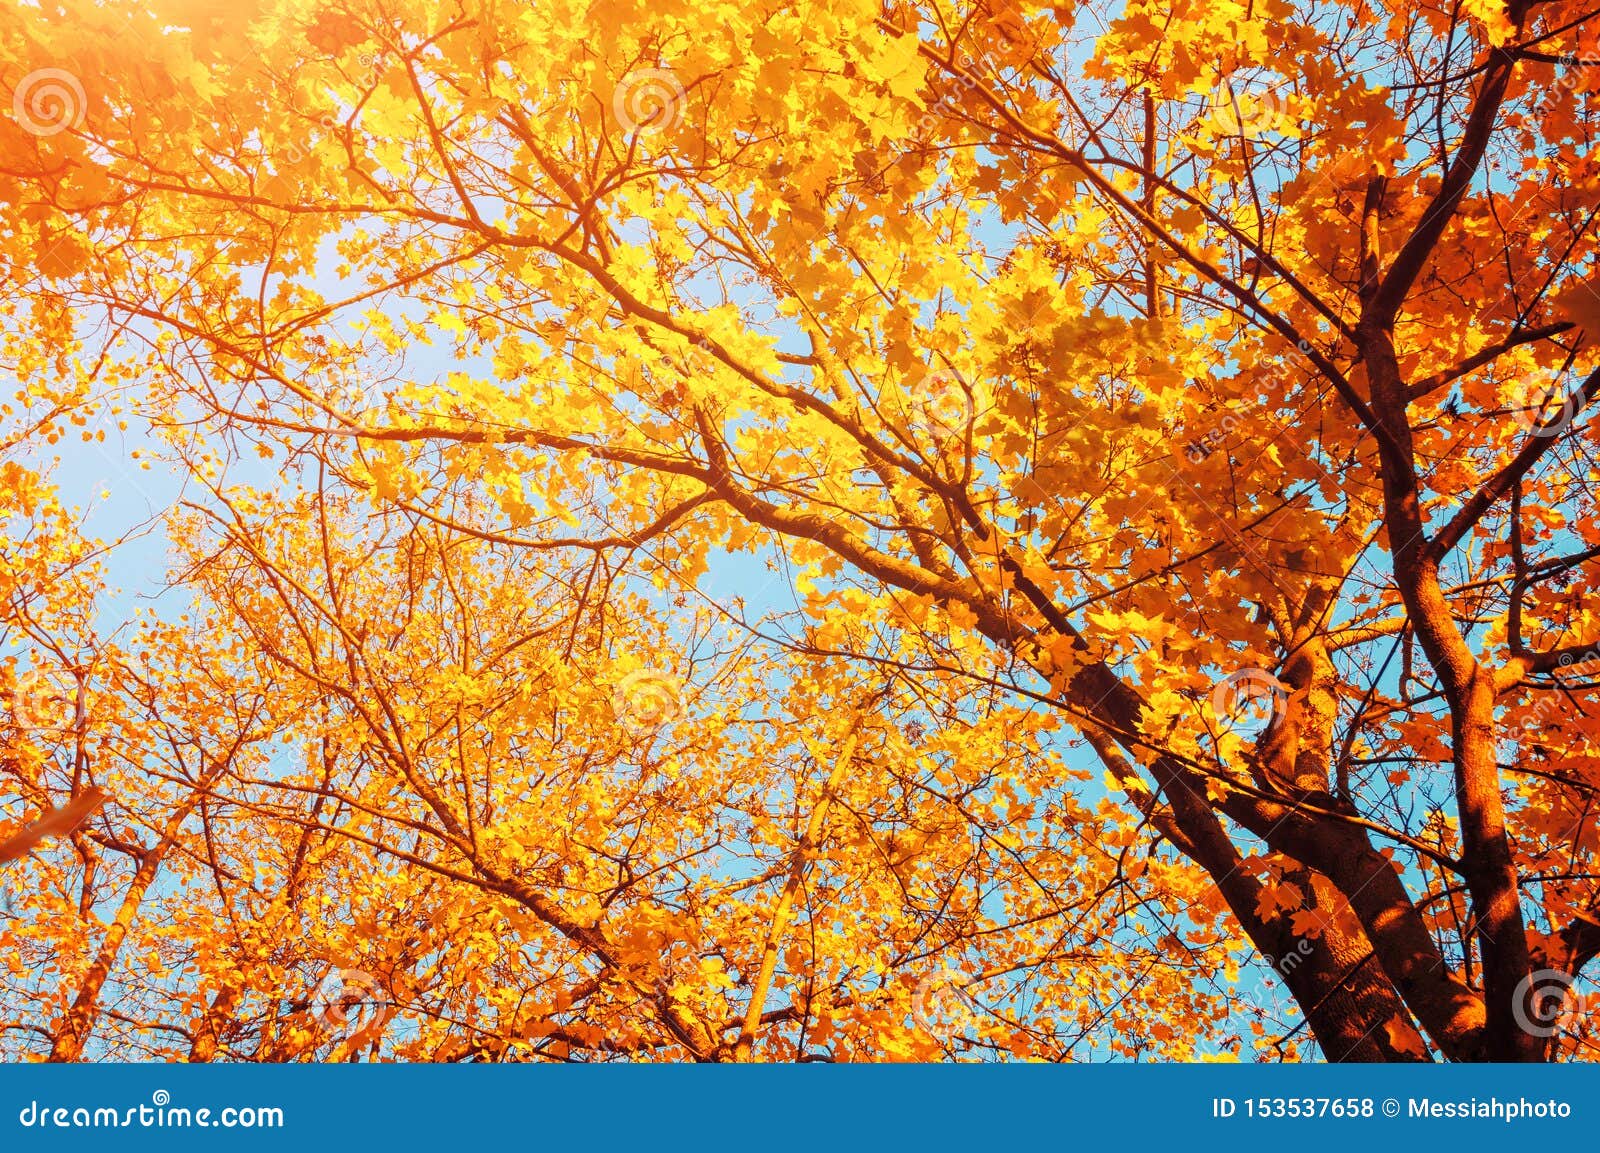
[806, 530]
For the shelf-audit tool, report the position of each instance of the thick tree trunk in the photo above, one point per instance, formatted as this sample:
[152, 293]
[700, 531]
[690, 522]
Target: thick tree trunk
[1469, 690]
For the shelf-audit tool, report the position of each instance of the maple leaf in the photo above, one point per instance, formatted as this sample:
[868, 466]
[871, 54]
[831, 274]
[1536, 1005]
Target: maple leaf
[1580, 304]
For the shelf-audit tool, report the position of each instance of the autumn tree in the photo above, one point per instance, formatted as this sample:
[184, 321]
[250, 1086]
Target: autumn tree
[1198, 391]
